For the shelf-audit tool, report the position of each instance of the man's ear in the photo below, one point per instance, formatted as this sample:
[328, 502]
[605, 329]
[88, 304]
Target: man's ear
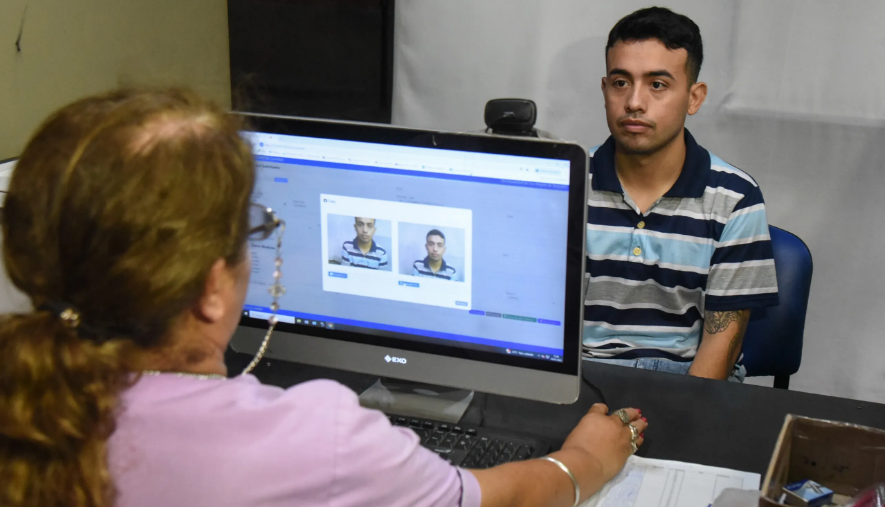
[697, 94]
[211, 306]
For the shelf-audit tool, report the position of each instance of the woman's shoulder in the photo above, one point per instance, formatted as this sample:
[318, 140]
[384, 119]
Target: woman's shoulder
[242, 396]
[312, 442]
[319, 396]
[243, 437]
[315, 391]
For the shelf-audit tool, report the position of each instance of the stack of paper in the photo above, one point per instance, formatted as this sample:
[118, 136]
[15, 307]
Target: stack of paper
[658, 483]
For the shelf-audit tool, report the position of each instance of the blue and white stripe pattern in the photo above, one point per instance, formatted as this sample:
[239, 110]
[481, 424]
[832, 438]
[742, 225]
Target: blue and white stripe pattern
[351, 255]
[422, 268]
[703, 246]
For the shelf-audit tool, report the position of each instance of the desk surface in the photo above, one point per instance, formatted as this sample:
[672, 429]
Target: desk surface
[702, 421]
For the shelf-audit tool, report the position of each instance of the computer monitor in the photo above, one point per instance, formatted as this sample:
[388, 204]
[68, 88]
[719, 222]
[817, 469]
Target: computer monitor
[444, 258]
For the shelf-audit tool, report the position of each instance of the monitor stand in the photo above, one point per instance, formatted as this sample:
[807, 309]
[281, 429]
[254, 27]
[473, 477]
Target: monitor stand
[414, 399]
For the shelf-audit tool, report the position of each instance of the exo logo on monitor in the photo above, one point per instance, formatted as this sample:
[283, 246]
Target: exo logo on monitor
[400, 360]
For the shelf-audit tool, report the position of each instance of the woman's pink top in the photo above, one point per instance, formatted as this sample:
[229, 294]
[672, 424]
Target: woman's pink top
[183, 441]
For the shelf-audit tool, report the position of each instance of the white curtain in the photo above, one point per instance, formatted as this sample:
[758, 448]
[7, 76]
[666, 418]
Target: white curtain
[795, 100]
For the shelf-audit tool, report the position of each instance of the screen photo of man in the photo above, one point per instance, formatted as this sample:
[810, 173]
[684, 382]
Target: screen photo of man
[428, 251]
[368, 248]
[434, 265]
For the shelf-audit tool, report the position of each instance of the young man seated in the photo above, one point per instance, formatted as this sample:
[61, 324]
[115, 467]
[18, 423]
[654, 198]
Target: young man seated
[677, 239]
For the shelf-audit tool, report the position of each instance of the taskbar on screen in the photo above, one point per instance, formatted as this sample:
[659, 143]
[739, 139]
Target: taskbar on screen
[480, 344]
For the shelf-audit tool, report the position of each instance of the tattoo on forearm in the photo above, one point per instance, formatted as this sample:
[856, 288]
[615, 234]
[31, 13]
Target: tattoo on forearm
[716, 322]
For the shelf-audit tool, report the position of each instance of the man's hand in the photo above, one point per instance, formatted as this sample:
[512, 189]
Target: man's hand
[721, 344]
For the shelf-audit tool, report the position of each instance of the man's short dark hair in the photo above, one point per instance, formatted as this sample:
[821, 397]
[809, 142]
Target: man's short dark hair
[435, 232]
[674, 30]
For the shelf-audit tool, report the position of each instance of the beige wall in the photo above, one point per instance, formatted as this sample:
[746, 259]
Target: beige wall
[73, 48]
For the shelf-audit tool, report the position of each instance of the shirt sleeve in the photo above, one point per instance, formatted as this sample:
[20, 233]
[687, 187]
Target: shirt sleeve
[379, 464]
[345, 257]
[383, 261]
[742, 271]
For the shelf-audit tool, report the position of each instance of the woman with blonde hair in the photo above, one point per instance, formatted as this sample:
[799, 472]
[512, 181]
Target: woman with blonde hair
[126, 224]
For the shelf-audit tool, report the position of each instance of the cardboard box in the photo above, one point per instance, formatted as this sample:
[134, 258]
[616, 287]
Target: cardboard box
[843, 457]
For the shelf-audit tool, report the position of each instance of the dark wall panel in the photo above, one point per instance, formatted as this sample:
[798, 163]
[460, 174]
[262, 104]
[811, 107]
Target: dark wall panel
[318, 58]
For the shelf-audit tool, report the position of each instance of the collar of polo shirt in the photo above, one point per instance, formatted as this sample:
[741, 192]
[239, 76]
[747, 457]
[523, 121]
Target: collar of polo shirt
[356, 244]
[692, 181]
[442, 267]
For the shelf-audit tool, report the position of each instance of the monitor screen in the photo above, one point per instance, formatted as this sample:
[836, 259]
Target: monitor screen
[459, 249]
[454, 252]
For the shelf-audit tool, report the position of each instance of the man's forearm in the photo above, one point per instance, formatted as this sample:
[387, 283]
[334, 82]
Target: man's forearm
[721, 343]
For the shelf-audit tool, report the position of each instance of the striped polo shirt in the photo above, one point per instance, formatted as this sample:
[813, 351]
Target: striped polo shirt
[650, 276]
[375, 258]
[422, 268]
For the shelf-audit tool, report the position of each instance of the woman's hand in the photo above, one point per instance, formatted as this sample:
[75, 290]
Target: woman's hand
[606, 439]
[595, 451]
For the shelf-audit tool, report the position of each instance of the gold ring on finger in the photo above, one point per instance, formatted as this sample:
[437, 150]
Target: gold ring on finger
[622, 415]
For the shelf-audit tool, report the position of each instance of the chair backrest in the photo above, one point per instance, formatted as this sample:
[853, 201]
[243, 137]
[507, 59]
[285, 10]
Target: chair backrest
[773, 341]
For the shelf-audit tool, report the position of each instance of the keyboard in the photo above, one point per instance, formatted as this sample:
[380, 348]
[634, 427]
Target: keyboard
[472, 447]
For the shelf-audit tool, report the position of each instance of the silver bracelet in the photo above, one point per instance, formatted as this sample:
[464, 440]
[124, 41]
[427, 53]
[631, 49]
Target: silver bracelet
[570, 476]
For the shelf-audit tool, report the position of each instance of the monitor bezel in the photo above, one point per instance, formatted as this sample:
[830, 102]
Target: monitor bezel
[475, 142]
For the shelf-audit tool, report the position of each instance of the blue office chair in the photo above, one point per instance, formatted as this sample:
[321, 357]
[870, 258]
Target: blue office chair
[773, 341]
